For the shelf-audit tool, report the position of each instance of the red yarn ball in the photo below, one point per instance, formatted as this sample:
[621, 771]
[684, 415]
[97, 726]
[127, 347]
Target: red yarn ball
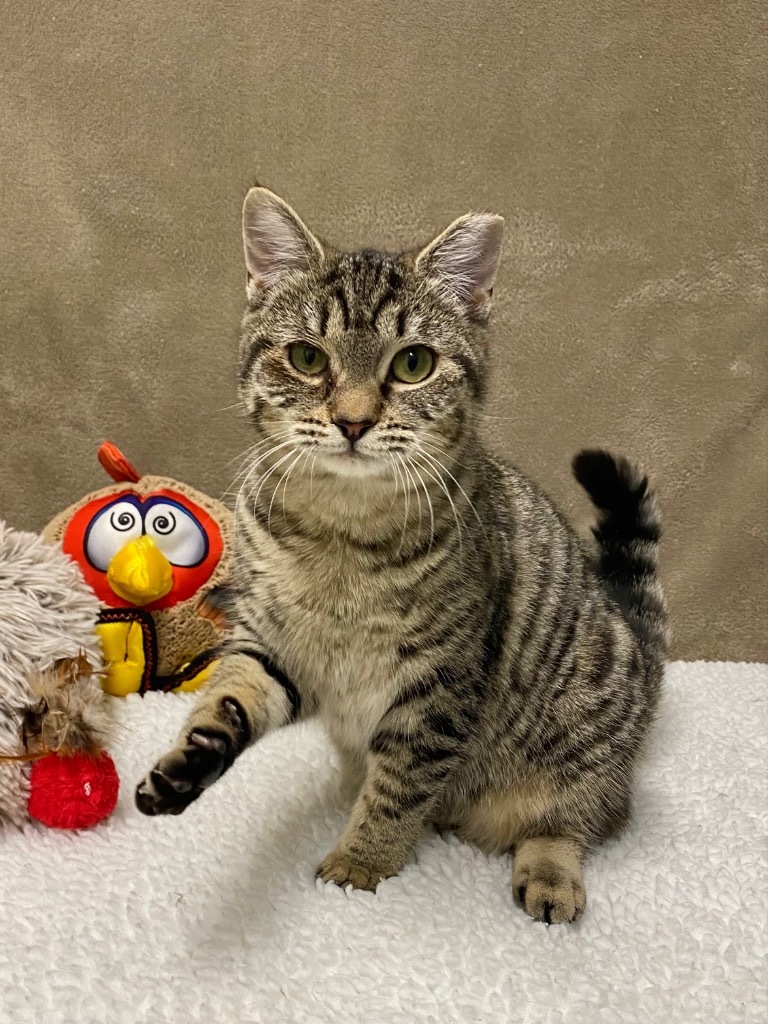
[75, 791]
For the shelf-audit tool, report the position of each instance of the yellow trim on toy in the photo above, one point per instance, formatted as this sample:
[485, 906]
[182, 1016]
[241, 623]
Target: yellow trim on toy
[123, 646]
[198, 680]
[140, 572]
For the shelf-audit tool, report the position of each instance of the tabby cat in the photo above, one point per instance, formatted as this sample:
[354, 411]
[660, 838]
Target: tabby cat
[475, 665]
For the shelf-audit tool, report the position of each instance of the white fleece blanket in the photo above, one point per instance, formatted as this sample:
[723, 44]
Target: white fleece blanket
[215, 916]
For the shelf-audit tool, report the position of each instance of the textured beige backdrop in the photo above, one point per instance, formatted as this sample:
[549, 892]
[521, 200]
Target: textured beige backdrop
[624, 142]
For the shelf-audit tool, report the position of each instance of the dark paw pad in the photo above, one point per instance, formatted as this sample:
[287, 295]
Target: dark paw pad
[181, 776]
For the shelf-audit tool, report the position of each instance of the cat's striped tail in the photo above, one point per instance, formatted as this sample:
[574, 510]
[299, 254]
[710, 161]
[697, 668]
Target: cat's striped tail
[628, 532]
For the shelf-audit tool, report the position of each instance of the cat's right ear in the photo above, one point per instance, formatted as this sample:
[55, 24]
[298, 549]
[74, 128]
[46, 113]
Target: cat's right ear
[276, 241]
[462, 262]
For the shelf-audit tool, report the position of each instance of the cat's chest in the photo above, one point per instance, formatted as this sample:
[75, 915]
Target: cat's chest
[335, 628]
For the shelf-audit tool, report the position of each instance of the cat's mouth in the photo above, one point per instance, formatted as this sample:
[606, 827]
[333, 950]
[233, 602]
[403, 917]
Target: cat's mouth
[351, 462]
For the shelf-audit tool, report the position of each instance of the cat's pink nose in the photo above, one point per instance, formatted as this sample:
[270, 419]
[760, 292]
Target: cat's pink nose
[353, 431]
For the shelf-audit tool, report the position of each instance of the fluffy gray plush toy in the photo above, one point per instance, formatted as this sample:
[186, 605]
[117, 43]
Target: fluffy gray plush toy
[51, 700]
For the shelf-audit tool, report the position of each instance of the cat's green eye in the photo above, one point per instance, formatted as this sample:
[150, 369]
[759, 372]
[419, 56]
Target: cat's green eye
[412, 365]
[308, 359]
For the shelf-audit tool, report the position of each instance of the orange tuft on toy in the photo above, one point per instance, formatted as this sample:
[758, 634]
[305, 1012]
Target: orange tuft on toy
[116, 464]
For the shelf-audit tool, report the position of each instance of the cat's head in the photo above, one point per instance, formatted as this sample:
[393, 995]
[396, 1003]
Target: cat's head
[363, 356]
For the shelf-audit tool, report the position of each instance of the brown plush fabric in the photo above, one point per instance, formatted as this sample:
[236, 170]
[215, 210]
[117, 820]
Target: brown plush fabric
[624, 143]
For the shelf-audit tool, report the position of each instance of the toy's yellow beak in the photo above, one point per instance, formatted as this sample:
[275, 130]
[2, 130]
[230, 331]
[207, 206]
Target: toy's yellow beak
[140, 572]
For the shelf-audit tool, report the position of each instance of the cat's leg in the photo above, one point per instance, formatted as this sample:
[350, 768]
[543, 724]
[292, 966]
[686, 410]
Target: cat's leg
[246, 698]
[384, 826]
[547, 879]
[352, 765]
[406, 775]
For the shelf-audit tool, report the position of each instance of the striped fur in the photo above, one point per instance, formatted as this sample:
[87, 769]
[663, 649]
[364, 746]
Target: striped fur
[474, 663]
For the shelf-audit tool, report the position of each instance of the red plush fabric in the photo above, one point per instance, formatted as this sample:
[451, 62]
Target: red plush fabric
[74, 791]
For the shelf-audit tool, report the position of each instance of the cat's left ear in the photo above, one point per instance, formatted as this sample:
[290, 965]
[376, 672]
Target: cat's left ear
[464, 259]
[276, 240]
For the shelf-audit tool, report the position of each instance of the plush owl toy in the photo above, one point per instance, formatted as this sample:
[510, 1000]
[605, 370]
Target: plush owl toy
[157, 555]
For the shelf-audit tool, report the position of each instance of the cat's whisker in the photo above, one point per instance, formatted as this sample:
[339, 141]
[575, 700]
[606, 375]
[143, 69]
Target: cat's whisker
[257, 444]
[440, 482]
[270, 439]
[251, 468]
[305, 453]
[396, 475]
[443, 451]
[246, 470]
[230, 489]
[437, 463]
[415, 469]
[242, 455]
[406, 492]
[254, 498]
[242, 486]
[284, 481]
[262, 480]
[405, 514]
[284, 476]
[429, 503]
[415, 487]
[260, 459]
[312, 479]
[398, 479]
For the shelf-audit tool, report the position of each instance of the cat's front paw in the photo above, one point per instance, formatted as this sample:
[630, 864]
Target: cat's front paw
[183, 773]
[343, 869]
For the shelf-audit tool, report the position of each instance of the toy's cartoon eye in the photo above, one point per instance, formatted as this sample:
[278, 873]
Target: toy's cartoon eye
[110, 531]
[177, 533]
